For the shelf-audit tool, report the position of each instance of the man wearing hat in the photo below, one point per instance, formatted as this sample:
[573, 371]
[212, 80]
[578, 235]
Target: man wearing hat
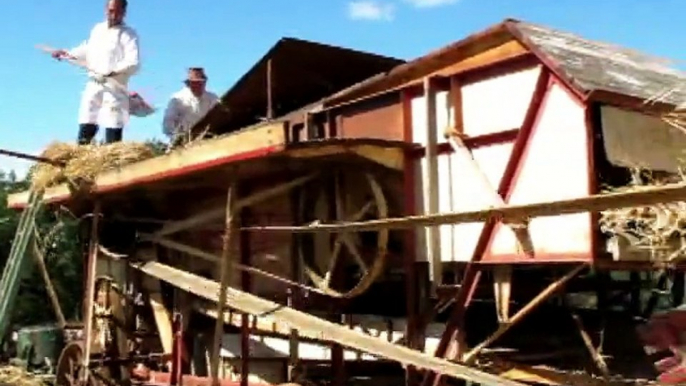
[188, 106]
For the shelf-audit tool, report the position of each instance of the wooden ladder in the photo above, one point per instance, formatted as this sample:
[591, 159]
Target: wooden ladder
[17, 260]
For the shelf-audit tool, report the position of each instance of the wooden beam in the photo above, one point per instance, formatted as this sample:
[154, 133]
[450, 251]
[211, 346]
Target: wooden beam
[89, 296]
[521, 230]
[161, 315]
[317, 328]
[246, 285]
[432, 233]
[39, 257]
[595, 354]
[249, 143]
[215, 259]
[216, 213]
[523, 312]
[226, 276]
[270, 88]
[514, 213]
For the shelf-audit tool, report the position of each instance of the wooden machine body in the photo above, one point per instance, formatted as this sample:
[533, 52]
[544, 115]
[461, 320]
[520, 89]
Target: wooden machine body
[483, 123]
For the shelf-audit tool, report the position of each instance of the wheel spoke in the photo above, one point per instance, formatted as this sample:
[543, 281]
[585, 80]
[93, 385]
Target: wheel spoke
[332, 262]
[357, 216]
[352, 248]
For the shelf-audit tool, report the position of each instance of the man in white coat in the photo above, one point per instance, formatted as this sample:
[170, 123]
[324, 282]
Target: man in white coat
[188, 106]
[111, 55]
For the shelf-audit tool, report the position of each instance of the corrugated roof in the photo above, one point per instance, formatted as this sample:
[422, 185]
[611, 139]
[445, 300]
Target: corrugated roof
[302, 72]
[593, 65]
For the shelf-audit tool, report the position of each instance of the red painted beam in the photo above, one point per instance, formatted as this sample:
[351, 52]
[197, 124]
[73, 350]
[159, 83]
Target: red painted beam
[454, 328]
[476, 142]
[246, 285]
[159, 378]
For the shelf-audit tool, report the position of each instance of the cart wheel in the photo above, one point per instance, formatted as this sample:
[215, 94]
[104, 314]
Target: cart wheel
[70, 367]
[354, 197]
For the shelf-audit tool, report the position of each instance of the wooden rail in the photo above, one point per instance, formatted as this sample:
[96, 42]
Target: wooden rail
[512, 213]
[317, 328]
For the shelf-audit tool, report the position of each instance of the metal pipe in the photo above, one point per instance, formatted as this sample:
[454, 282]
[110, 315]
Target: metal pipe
[17, 154]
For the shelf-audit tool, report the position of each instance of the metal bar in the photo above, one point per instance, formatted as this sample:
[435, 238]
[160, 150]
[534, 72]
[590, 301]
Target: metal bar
[17, 154]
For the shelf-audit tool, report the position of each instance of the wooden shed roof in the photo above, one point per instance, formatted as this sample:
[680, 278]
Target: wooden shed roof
[302, 72]
[594, 65]
[588, 66]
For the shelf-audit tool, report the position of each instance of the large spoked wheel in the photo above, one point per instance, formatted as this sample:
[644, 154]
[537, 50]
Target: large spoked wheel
[361, 256]
[69, 371]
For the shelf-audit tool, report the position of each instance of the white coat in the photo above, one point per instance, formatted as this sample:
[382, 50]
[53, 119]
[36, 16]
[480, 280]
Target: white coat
[185, 110]
[108, 49]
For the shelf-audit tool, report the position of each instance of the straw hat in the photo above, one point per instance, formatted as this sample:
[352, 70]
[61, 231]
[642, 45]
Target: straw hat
[196, 74]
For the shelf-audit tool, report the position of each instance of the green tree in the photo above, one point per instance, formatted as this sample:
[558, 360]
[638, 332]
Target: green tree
[62, 257]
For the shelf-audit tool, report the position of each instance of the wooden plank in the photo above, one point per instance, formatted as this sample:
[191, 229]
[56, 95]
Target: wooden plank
[390, 157]
[317, 328]
[432, 233]
[218, 212]
[161, 314]
[212, 152]
[89, 297]
[39, 258]
[187, 249]
[226, 272]
[500, 54]
[514, 213]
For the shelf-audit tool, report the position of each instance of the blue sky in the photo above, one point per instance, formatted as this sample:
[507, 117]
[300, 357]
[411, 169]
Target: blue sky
[39, 98]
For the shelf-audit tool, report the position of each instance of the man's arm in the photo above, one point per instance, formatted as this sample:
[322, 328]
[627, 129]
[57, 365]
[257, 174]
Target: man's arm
[214, 99]
[79, 52]
[172, 117]
[130, 64]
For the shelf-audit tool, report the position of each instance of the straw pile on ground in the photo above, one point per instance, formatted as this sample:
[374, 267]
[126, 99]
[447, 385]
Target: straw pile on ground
[15, 376]
[84, 162]
[659, 228]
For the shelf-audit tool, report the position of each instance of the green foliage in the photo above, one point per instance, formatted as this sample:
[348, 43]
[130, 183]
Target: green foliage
[59, 238]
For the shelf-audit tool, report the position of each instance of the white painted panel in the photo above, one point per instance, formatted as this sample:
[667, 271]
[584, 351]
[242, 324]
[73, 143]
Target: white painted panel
[555, 168]
[633, 139]
[498, 103]
[445, 204]
[420, 135]
[471, 192]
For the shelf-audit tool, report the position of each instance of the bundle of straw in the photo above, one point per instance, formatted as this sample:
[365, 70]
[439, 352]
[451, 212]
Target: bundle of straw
[652, 227]
[85, 162]
[15, 376]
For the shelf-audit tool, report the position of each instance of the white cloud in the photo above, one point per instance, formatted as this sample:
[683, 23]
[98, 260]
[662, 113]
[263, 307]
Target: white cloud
[430, 3]
[370, 10]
